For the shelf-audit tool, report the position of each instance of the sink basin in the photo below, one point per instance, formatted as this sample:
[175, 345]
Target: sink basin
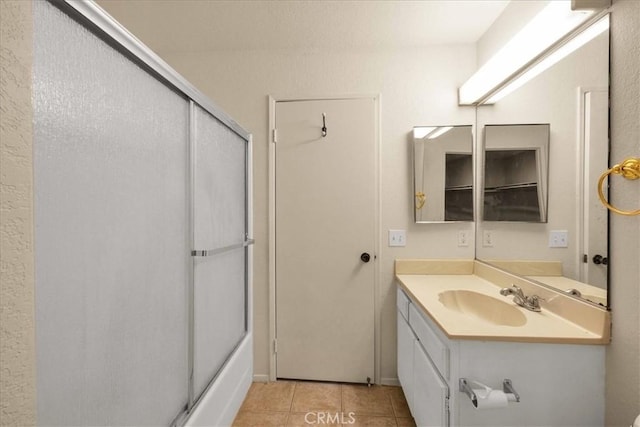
[483, 307]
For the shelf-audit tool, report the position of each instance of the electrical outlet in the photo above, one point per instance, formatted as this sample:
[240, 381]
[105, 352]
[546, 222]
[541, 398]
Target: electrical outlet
[487, 238]
[397, 238]
[463, 238]
[558, 239]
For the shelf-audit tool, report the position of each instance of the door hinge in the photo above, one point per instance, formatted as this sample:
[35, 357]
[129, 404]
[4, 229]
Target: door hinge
[275, 346]
[274, 138]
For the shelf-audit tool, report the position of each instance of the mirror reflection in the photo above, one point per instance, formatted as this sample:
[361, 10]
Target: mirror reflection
[567, 247]
[443, 173]
[515, 172]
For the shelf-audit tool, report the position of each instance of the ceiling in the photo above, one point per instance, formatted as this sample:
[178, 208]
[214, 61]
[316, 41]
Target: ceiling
[172, 26]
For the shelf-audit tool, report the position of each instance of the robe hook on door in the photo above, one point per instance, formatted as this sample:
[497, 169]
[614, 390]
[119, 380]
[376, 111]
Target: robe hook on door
[324, 125]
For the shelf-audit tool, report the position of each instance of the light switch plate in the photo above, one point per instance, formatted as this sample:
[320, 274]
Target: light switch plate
[558, 239]
[397, 238]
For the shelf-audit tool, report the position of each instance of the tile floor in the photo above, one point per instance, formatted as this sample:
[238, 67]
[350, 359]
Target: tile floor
[302, 403]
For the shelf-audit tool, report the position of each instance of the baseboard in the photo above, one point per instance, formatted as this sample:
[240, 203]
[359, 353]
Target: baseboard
[264, 378]
[260, 378]
[390, 381]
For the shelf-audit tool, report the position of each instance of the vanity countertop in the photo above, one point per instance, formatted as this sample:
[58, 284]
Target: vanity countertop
[562, 319]
[592, 293]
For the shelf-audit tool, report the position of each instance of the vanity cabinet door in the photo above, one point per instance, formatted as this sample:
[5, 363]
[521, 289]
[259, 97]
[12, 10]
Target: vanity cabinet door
[435, 348]
[406, 341]
[430, 392]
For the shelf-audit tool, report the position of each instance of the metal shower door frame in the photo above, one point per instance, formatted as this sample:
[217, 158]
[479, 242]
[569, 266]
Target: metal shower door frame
[94, 18]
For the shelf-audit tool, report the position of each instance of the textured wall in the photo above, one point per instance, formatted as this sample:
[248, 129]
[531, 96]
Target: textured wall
[17, 345]
[417, 87]
[623, 355]
[17, 376]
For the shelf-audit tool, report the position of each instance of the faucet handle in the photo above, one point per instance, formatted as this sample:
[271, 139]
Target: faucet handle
[534, 301]
[511, 290]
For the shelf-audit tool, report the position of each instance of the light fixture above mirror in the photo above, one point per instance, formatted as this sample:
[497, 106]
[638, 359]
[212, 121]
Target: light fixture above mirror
[549, 36]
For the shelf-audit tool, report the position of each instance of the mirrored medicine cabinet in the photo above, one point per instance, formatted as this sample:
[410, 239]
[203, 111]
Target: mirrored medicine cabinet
[540, 151]
[443, 173]
[515, 166]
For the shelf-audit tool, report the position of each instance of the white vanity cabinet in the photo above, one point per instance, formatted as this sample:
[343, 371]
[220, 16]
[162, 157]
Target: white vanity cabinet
[426, 392]
[558, 384]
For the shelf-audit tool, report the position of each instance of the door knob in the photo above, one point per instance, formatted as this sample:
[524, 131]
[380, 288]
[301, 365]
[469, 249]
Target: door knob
[599, 259]
[365, 257]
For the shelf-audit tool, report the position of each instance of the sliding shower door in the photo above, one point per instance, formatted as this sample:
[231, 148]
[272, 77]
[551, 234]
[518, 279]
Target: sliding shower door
[141, 222]
[220, 233]
[111, 147]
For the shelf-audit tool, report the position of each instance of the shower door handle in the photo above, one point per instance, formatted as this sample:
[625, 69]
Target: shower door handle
[211, 252]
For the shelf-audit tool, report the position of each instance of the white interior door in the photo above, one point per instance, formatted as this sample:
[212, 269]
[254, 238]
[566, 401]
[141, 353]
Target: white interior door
[325, 224]
[595, 218]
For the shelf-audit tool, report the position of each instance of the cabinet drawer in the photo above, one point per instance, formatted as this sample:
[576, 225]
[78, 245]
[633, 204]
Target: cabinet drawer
[436, 349]
[402, 302]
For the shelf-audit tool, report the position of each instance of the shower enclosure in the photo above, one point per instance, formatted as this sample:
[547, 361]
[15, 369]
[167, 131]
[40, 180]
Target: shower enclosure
[142, 231]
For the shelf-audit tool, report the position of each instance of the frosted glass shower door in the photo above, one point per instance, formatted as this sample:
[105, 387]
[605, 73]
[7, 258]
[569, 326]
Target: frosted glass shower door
[111, 152]
[220, 227]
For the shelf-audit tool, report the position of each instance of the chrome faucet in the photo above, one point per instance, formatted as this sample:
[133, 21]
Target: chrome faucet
[531, 302]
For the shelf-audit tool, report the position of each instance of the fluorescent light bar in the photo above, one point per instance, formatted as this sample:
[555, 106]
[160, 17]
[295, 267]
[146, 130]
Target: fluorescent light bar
[574, 44]
[421, 132]
[549, 26]
[440, 131]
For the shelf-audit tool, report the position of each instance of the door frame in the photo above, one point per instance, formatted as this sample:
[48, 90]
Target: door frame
[272, 223]
[582, 151]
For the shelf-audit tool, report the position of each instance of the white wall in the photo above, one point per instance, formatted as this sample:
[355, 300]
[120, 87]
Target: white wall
[417, 86]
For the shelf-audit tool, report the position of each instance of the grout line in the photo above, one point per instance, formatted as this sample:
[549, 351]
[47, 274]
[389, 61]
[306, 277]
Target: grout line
[293, 396]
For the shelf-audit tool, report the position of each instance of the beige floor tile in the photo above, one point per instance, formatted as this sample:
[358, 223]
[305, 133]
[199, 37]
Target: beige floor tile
[273, 396]
[310, 396]
[255, 419]
[399, 403]
[322, 418]
[368, 420]
[365, 400]
[405, 422]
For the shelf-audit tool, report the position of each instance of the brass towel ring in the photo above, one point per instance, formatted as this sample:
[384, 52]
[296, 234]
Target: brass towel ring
[420, 199]
[629, 169]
